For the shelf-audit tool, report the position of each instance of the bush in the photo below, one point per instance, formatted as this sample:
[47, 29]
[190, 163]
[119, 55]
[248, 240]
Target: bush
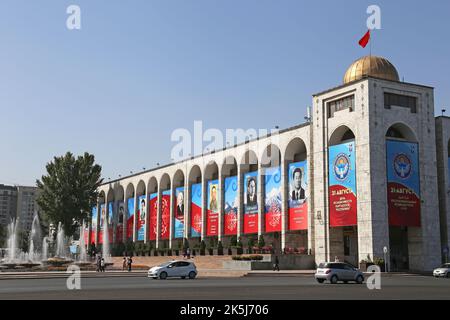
[233, 241]
[253, 257]
[261, 242]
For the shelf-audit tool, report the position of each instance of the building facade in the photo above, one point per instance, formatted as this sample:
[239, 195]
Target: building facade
[26, 206]
[8, 203]
[368, 173]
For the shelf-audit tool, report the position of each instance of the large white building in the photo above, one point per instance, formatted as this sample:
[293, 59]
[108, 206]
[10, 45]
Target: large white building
[374, 169]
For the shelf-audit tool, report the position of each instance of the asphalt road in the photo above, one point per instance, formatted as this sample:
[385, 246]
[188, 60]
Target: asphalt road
[264, 288]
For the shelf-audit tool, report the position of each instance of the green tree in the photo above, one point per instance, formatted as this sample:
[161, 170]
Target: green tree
[3, 236]
[69, 190]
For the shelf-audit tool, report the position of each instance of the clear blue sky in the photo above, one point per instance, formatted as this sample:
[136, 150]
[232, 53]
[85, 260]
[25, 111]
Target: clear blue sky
[140, 69]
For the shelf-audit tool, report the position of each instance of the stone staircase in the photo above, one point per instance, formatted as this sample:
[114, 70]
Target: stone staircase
[201, 262]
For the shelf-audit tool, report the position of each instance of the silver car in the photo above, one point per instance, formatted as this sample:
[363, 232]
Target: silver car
[338, 271]
[442, 271]
[178, 268]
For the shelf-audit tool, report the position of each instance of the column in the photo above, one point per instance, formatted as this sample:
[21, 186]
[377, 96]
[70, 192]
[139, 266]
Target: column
[187, 207]
[261, 173]
[97, 224]
[135, 217]
[204, 206]
[240, 213]
[147, 212]
[220, 195]
[171, 215]
[158, 215]
[284, 199]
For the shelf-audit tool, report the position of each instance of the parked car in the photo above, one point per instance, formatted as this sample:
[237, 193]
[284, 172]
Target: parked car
[338, 271]
[442, 271]
[175, 268]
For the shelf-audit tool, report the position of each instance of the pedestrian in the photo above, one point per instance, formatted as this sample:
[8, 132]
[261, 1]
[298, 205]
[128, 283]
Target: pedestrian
[188, 253]
[102, 265]
[336, 259]
[124, 263]
[130, 261]
[276, 265]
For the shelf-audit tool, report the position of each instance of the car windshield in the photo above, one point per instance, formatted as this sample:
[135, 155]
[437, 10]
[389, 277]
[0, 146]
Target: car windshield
[323, 265]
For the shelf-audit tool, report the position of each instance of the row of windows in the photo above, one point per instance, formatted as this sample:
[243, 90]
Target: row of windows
[341, 104]
[390, 99]
[393, 99]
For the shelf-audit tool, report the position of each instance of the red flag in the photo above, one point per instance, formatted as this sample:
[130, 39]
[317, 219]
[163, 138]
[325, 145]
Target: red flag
[365, 40]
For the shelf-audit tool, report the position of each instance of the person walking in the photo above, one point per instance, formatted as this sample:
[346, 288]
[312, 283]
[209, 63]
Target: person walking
[124, 263]
[102, 265]
[130, 261]
[276, 265]
[188, 253]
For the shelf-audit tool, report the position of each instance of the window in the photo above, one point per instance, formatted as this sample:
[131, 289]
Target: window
[392, 99]
[341, 104]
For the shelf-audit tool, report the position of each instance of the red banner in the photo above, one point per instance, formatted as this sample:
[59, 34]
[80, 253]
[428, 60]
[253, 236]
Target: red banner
[119, 233]
[404, 206]
[196, 220]
[298, 217]
[342, 207]
[153, 211]
[251, 223]
[230, 223]
[165, 216]
[212, 223]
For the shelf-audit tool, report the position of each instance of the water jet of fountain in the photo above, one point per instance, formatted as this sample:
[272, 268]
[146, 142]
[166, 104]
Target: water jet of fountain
[12, 241]
[45, 249]
[83, 256]
[105, 248]
[60, 242]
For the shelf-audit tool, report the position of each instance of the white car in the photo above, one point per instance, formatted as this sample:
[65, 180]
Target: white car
[178, 268]
[442, 271]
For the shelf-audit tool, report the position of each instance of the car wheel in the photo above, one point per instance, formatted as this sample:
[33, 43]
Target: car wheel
[334, 279]
[163, 275]
[359, 279]
[192, 275]
[320, 280]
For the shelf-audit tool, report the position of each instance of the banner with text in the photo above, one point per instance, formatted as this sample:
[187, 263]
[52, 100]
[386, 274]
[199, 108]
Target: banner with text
[272, 199]
[212, 215]
[342, 185]
[165, 215]
[179, 213]
[403, 183]
[298, 205]
[251, 202]
[142, 211]
[93, 224]
[231, 206]
[153, 216]
[130, 218]
[196, 210]
[120, 221]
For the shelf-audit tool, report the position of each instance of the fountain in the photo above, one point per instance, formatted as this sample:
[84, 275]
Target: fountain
[106, 254]
[45, 248]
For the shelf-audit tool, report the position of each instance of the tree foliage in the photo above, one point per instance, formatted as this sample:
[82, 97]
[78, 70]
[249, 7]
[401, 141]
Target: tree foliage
[69, 190]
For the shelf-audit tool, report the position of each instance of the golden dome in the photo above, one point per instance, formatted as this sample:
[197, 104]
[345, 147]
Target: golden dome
[371, 66]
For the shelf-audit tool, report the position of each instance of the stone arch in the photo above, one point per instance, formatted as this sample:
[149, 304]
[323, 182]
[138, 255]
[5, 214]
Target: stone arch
[340, 135]
[401, 131]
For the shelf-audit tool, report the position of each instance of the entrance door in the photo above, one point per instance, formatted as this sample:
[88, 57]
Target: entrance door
[399, 255]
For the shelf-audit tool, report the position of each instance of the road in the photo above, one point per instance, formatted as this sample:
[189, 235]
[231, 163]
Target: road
[257, 288]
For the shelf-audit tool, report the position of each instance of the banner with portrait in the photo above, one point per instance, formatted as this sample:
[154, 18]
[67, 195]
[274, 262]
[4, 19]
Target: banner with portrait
[298, 204]
[196, 210]
[251, 202]
[165, 215]
[212, 214]
[272, 199]
[231, 206]
[102, 221]
[142, 211]
[153, 216]
[120, 221]
[93, 224]
[108, 223]
[342, 185]
[403, 183]
[179, 213]
[130, 218]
